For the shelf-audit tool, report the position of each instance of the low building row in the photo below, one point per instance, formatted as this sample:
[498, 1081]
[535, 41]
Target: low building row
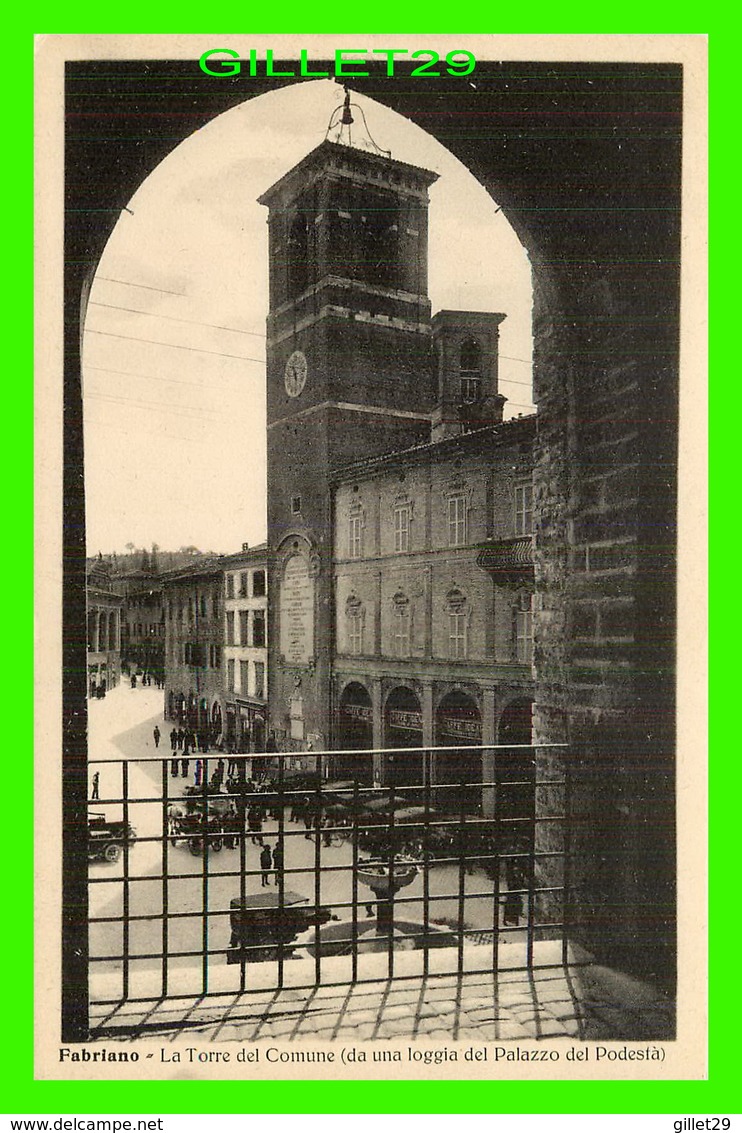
[215, 648]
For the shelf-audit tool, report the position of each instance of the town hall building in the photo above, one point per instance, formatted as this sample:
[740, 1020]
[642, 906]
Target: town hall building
[399, 501]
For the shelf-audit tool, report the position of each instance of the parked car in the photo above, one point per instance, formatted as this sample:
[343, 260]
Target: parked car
[106, 839]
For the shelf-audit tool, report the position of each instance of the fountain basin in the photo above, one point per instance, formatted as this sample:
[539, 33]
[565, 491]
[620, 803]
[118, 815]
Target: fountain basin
[336, 937]
[383, 881]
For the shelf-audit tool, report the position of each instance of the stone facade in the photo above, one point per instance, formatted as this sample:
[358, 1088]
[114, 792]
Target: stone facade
[245, 649]
[419, 603]
[104, 616]
[194, 643]
[143, 628]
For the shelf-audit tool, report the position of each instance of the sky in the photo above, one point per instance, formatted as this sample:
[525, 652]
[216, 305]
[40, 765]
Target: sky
[174, 342]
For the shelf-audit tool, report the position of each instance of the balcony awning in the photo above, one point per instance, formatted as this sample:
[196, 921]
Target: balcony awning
[509, 561]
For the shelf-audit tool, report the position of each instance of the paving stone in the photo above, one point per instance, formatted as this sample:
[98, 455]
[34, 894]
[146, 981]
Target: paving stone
[400, 1027]
[396, 1011]
[356, 1017]
[509, 1030]
[483, 1014]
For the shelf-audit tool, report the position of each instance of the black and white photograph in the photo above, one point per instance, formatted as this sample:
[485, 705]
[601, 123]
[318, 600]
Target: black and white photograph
[371, 503]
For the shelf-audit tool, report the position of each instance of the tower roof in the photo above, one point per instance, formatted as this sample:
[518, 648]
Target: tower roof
[354, 165]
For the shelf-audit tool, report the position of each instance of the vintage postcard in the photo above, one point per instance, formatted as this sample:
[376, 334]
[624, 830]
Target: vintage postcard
[371, 382]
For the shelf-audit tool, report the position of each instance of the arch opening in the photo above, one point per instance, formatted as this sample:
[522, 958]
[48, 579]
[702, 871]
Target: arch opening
[355, 732]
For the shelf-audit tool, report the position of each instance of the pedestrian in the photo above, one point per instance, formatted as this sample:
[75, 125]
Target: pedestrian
[308, 820]
[184, 768]
[265, 864]
[96, 784]
[277, 862]
[174, 740]
[156, 735]
[255, 825]
[220, 770]
[198, 773]
[179, 737]
[174, 766]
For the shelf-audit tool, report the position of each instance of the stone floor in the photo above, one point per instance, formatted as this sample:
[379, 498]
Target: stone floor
[583, 1001]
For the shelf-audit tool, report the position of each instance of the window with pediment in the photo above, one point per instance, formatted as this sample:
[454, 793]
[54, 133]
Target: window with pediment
[401, 625]
[457, 613]
[523, 627]
[354, 617]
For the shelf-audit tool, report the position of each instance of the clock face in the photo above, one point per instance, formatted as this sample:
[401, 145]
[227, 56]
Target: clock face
[295, 374]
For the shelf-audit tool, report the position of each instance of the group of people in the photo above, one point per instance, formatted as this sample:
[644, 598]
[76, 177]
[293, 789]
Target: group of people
[271, 860]
[147, 680]
[187, 740]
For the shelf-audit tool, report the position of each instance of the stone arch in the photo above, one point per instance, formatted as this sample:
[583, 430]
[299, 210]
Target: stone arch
[573, 292]
[403, 728]
[297, 254]
[470, 370]
[355, 732]
[458, 725]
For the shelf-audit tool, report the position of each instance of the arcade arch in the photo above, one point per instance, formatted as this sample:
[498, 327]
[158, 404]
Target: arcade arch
[403, 728]
[355, 733]
[458, 722]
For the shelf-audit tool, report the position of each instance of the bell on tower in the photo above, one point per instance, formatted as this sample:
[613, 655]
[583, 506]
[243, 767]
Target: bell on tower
[343, 132]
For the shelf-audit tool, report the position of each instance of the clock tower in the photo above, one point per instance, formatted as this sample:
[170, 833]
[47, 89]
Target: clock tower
[350, 373]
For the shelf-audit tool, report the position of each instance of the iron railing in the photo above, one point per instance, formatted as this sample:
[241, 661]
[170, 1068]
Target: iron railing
[189, 907]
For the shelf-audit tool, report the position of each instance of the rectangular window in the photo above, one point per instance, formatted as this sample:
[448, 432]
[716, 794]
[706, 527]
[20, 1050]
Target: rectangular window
[244, 677]
[243, 584]
[402, 529]
[456, 521]
[402, 635]
[258, 584]
[457, 636]
[471, 389]
[355, 634]
[230, 676]
[354, 537]
[230, 627]
[523, 509]
[296, 505]
[244, 640]
[259, 679]
[229, 584]
[258, 629]
[524, 635]
[203, 605]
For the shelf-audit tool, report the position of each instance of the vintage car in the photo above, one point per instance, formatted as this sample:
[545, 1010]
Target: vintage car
[106, 839]
[265, 925]
[205, 821]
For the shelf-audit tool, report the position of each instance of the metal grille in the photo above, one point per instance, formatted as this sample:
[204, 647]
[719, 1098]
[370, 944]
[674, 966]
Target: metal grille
[430, 867]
